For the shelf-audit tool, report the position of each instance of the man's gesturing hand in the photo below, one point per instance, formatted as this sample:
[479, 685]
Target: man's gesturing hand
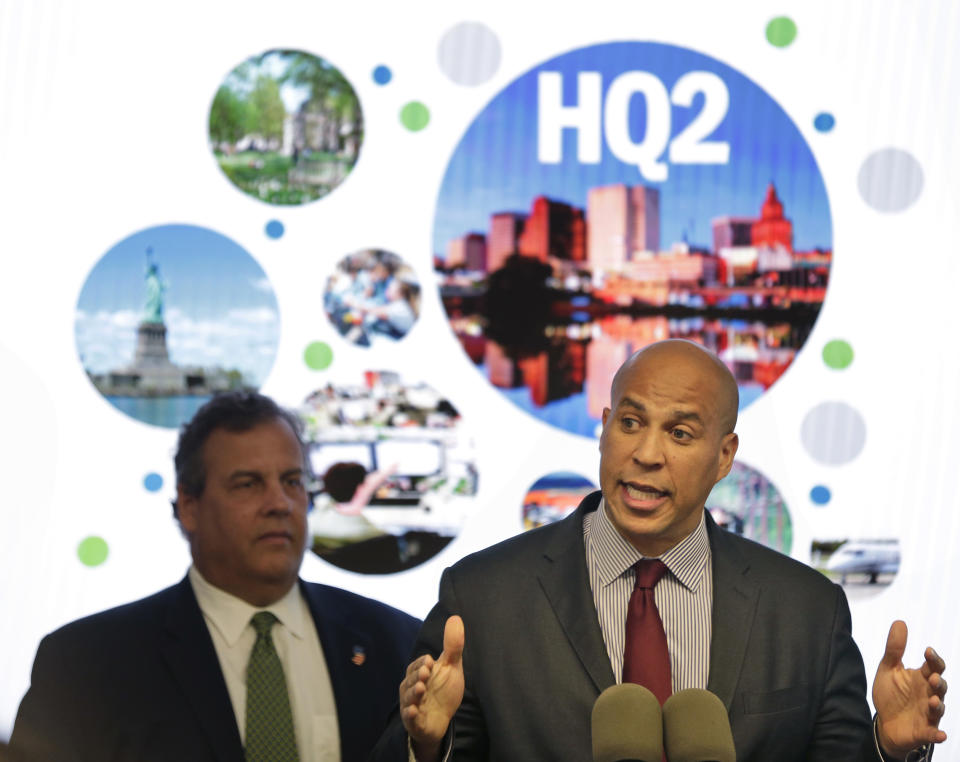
[432, 691]
[909, 702]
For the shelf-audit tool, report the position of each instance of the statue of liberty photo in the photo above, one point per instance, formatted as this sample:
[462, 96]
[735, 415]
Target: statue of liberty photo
[152, 379]
[153, 307]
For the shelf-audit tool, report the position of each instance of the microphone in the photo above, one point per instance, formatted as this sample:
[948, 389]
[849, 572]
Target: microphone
[696, 728]
[625, 725]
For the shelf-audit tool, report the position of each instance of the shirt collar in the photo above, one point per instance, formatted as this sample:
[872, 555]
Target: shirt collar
[231, 615]
[614, 555]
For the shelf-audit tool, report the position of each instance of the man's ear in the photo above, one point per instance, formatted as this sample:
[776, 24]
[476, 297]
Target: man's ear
[728, 449]
[603, 425]
[186, 510]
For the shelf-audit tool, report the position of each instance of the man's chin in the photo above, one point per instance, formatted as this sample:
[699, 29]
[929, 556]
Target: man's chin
[279, 571]
[646, 532]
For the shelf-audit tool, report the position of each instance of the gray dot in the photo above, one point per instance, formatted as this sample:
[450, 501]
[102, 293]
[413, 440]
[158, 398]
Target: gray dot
[890, 180]
[469, 53]
[833, 433]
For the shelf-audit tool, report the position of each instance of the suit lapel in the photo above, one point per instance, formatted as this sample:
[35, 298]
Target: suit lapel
[566, 583]
[345, 651]
[193, 660]
[734, 607]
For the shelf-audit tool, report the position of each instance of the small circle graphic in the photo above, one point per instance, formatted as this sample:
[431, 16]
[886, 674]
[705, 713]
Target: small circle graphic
[372, 295]
[469, 53]
[274, 229]
[382, 75]
[824, 122]
[285, 127]
[837, 354]
[833, 433]
[554, 496]
[890, 180]
[395, 475]
[318, 355]
[747, 503]
[152, 482]
[414, 116]
[865, 566]
[820, 495]
[92, 551]
[781, 31]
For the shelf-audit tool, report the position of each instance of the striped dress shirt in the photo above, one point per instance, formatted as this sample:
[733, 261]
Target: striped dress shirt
[684, 596]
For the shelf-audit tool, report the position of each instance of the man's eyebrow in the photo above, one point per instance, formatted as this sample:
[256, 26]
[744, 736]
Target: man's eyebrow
[638, 406]
[687, 415]
[245, 474]
[676, 415]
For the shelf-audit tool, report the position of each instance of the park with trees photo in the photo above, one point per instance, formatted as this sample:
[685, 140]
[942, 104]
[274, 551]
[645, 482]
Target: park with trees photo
[286, 127]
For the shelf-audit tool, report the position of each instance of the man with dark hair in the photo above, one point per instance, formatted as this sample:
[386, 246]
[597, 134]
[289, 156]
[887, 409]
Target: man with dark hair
[238, 411]
[241, 660]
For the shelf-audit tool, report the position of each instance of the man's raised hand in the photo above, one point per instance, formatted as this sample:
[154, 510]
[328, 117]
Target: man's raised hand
[431, 693]
[909, 702]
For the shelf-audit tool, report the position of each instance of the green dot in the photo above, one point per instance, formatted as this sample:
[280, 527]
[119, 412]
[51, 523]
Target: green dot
[414, 116]
[92, 551]
[318, 355]
[781, 31]
[837, 354]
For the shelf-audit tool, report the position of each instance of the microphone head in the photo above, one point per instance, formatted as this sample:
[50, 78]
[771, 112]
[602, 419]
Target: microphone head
[696, 728]
[626, 725]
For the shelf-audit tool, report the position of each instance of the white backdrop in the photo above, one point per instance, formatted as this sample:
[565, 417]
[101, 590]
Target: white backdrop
[103, 115]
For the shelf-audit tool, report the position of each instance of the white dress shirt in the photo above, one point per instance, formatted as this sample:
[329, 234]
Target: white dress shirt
[298, 646]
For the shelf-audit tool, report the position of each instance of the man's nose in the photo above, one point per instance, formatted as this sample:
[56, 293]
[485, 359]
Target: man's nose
[276, 499]
[648, 449]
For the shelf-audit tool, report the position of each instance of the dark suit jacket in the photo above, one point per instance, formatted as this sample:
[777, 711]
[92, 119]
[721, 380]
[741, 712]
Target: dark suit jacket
[143, 682]
[782, 658]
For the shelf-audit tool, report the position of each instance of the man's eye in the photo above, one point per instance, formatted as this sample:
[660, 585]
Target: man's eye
[246, 484]
[295, 481]
[681, 434]
[629, 423]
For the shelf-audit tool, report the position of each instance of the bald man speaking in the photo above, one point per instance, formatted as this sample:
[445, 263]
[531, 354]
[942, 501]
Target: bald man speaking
[527, 633]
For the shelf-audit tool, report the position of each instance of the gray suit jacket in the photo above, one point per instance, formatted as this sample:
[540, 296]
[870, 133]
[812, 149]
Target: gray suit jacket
[782, 658]
[143, 681]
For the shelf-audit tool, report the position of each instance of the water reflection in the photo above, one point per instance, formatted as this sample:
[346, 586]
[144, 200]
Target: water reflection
[564, 378]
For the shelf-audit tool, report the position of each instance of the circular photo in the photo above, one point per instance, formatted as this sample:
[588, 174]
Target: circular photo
[394, 472]
[745, 502]
[554, 497]
[864, 566]
[372, 296]
[625, 206]
[286, 127]
[172, 315]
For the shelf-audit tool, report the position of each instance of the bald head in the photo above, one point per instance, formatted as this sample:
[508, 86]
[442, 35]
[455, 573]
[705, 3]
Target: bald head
[661, 356]
[667, 439]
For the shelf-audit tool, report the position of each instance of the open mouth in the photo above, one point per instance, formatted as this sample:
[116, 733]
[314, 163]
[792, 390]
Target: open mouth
[644, 491]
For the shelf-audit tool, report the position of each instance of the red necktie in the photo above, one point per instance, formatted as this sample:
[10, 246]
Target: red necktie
[646, 660]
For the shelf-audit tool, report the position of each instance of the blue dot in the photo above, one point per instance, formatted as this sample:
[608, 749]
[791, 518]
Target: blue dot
[824, 122]
[820, 495]
[152, 482]
[382, 75]
[274, 228]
